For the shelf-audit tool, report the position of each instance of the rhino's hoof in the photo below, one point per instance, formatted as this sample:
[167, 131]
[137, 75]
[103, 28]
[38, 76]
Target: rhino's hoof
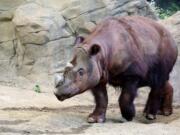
[167, 113]
[123, 120]
[164, 112]
[160, 112]
[95, 119]
[150, 117]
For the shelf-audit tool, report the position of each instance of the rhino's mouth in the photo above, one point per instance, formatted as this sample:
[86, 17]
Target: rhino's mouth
[63, 97]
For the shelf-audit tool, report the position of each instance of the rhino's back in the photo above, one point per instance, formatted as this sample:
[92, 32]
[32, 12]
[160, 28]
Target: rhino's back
[135, 46]
[137, 40]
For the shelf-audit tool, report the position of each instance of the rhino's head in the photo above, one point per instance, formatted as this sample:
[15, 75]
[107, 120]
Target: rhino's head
[80, 74]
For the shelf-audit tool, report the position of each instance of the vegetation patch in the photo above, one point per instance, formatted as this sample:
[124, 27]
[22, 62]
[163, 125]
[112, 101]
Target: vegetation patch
[165, 12]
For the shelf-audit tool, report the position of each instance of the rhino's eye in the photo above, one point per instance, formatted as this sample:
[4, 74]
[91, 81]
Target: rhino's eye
[81, 72]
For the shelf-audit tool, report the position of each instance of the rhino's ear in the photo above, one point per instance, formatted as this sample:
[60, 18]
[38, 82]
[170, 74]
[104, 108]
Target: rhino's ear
[94, 49]
[79, 40]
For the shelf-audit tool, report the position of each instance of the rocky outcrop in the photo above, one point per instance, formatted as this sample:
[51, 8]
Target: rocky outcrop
[173, 24]
[37, 35]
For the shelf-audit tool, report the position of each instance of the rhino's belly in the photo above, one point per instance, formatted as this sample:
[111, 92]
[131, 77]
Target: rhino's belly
[121, 79]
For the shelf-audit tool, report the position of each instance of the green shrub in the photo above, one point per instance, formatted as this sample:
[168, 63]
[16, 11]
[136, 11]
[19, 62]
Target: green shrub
[37, 89]
[164, 13]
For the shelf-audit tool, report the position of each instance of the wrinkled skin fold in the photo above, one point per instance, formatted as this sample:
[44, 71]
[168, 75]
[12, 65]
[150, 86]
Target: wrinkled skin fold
[126, 52]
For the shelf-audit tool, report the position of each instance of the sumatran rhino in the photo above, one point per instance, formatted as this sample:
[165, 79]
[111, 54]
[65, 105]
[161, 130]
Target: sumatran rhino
[125, 52]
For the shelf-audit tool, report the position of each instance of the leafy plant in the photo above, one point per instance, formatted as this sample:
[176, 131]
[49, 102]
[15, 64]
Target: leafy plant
[164, 13]
[37, 89]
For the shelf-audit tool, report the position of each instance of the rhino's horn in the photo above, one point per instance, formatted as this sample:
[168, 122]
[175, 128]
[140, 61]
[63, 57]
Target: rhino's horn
[69, 65]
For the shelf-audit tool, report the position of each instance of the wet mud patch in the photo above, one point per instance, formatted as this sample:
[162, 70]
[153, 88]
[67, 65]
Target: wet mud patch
[160, 118]
[78, 130]
[113, 113]
[12, 122]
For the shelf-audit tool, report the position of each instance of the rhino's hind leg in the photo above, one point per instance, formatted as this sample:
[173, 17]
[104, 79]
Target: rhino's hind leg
[166, 100]
[101, 100]
[153, 104]
[160, 102]
[126, 99]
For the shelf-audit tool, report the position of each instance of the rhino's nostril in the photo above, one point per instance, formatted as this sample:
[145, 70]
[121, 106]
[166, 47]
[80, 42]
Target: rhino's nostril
[59, 84]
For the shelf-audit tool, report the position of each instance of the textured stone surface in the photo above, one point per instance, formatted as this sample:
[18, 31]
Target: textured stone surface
[6, 5]
[173, 24]
[37, 35]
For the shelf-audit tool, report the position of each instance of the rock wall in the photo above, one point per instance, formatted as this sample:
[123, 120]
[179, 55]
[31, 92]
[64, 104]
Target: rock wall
[173, 24]
[37, 35]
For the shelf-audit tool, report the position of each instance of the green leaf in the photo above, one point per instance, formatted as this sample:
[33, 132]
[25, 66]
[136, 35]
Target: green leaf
[37, 89]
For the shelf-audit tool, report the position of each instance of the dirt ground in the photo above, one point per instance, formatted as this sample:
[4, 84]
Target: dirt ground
[25, 112]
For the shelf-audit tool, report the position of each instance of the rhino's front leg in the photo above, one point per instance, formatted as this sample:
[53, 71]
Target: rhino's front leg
[101, 100]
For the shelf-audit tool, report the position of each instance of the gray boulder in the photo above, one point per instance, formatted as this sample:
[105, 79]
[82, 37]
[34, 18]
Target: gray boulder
[37, 35]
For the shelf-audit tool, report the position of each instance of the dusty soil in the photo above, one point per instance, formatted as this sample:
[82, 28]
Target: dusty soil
[27, 112]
